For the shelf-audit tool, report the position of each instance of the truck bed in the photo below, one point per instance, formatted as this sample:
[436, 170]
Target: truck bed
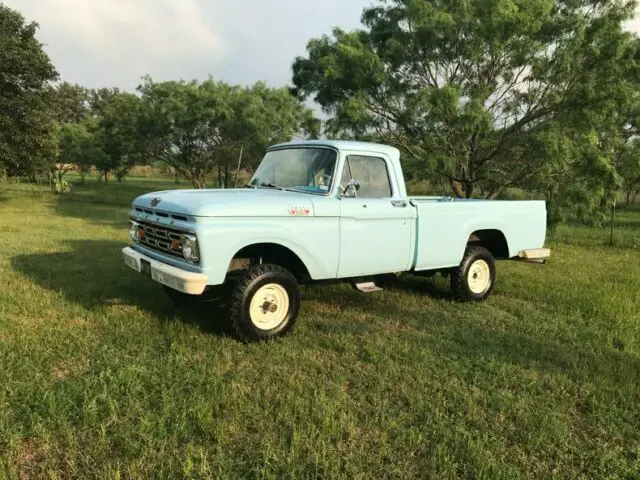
[444, 226]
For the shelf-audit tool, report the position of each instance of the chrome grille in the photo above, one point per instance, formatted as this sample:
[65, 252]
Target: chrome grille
[166, 240]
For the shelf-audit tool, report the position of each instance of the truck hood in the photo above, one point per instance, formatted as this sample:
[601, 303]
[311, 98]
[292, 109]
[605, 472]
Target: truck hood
[242, 202]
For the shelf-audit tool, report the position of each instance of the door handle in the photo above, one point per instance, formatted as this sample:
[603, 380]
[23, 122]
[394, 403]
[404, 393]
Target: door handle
[399, 203]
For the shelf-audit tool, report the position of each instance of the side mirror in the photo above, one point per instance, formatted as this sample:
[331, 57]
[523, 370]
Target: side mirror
[351, 189]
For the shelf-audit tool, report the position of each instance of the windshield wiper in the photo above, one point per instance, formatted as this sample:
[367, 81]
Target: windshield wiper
[271, 185]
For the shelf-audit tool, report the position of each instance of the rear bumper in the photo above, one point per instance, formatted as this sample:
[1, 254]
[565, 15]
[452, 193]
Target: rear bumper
[181, 280]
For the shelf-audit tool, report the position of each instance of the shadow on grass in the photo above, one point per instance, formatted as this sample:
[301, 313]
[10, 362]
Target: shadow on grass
[465, 337]
[102, 204]
[92, 274]
[604, 363]
[94, 212]
[421, 286]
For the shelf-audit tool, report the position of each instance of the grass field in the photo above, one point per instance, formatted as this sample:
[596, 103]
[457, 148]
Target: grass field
[102, 378]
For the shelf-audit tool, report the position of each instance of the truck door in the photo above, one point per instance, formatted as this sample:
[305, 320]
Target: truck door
[376, 224]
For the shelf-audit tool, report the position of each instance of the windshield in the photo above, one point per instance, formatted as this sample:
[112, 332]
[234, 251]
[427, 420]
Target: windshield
[308, 169]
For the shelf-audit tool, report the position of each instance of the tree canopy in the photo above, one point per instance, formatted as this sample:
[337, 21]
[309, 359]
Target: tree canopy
[486, 98]
[27, 124]
[200, 127]
[485, 94]
[117, 132]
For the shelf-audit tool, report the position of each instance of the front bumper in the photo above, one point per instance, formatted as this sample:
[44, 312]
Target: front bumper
[181, 280]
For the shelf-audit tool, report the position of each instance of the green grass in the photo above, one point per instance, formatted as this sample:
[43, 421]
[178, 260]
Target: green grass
[103, 378]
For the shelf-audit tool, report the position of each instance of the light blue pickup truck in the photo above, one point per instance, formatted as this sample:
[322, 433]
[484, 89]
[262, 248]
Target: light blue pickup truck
[316, 211]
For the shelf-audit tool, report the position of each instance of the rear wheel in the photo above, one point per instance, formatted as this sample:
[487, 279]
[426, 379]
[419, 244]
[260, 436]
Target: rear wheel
[265, 303]
[474, 279]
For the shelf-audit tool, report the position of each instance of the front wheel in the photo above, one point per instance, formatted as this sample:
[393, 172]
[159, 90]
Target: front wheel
[265, 303]
[473, 280]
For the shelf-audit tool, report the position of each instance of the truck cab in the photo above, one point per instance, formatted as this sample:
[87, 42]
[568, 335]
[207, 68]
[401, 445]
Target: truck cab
[318, 211]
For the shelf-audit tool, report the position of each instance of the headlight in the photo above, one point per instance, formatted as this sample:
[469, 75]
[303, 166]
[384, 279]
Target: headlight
[190, 248]
[134, 231]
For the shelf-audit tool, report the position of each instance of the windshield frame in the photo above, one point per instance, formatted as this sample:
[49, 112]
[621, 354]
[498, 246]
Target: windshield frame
[334, 181]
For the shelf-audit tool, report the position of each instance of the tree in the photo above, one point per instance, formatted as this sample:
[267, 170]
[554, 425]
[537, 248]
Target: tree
[27, 128]
[79, 149]
[199, 128]
[484, 94]
[71, 103]
[101, 98]
[118, 135]
[629, 168]
[260, 117]
[181, 121]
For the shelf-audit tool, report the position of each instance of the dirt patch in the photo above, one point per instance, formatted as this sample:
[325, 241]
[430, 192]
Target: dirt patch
[30, 454]
[69, 368]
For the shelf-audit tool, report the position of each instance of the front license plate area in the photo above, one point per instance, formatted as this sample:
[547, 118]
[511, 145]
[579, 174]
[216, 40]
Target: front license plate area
[145, 267]
[131, 263]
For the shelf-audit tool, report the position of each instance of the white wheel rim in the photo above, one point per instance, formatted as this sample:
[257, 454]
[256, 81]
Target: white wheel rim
[479, 277]
[269, 306]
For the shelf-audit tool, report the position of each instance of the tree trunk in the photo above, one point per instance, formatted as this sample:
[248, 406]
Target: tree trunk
[197, 180]
[468, 189]
[457, 188]
[462, 189]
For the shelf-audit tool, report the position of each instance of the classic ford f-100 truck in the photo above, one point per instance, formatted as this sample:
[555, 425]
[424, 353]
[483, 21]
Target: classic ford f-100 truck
[316, 211]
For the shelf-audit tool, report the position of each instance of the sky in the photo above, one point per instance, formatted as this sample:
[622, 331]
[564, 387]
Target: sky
[99, 43]
[113, 43]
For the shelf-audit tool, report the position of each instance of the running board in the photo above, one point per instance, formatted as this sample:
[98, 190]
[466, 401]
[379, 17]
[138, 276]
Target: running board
[367, 287]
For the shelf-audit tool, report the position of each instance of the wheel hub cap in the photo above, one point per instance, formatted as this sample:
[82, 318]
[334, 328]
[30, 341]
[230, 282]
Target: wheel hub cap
[269, 306]
[479, 276]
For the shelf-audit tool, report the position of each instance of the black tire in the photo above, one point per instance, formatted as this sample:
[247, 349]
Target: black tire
[461, 288]
[180, 299]
[242, 295]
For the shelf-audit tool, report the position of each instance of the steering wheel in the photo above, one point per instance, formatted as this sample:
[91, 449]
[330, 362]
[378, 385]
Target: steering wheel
[322, 179]
[326, 179]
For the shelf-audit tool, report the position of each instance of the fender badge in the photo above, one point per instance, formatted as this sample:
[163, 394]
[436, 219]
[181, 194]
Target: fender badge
[155, 201]
[299, 211]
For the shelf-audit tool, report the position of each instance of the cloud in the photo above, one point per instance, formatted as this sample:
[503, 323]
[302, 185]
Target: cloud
[264, 37]
[115, 42]
[634, 25]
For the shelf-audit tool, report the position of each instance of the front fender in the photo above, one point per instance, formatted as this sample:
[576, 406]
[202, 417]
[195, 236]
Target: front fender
[315, 240]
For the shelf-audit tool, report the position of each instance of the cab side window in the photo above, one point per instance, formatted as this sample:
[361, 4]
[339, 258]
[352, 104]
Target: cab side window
[371, 173]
